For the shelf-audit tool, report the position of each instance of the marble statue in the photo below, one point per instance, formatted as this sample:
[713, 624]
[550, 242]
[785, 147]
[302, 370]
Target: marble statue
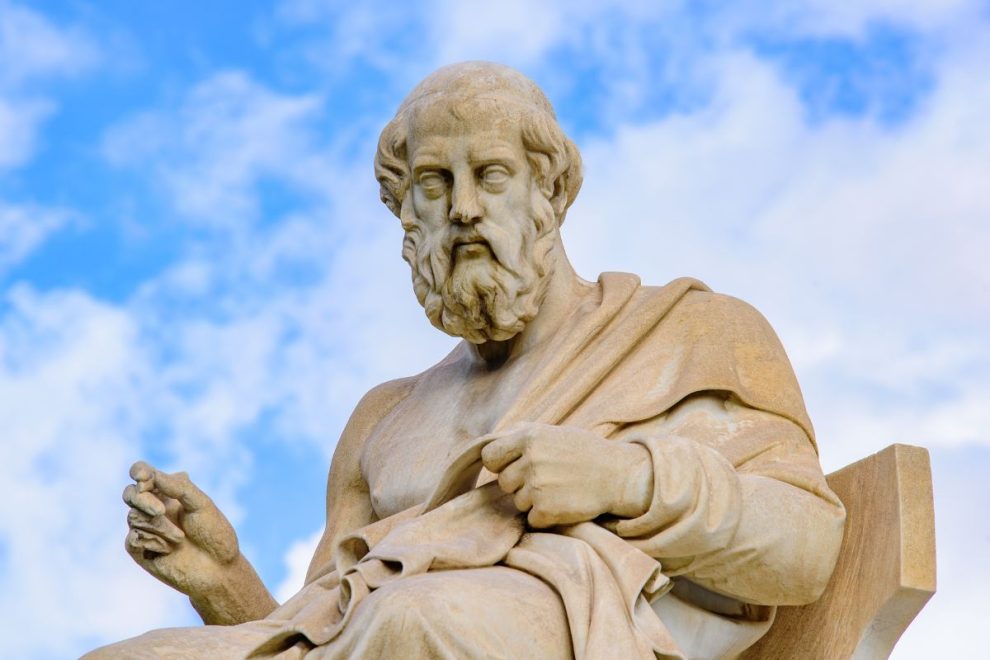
[599, 470]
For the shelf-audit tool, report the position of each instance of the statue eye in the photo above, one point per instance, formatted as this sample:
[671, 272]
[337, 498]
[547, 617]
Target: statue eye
[495, 175]
[432, 182]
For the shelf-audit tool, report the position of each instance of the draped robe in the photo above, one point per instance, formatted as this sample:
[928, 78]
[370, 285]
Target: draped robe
[740, 519]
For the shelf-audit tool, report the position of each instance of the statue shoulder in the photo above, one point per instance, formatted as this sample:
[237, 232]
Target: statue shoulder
[381, 400]
[718, 314]
[377, 403]
[734, 346]
[345, 470]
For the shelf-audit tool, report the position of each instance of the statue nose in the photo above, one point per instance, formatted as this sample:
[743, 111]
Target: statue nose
[464, 206]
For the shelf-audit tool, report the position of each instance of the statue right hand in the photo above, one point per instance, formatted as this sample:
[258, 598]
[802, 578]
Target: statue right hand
[176, 531]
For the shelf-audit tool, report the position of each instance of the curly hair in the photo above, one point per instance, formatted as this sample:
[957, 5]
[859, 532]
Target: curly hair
[553, 157]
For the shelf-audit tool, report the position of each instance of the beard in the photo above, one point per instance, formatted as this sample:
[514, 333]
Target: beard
[490, 294]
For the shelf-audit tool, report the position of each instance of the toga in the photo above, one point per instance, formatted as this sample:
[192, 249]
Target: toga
[741, 519]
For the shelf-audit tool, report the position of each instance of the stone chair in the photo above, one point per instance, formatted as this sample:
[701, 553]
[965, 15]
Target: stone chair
[886, 568]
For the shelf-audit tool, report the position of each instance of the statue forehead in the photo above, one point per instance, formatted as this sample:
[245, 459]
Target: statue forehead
[459, 116]
[473, 99]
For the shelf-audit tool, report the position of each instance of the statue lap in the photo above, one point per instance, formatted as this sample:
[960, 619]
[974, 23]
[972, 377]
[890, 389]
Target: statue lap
[483, 612]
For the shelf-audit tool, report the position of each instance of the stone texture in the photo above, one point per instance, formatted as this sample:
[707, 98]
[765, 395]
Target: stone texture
[600, 469]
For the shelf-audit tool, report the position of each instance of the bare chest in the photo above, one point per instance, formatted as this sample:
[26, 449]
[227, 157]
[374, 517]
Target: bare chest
[406, 454]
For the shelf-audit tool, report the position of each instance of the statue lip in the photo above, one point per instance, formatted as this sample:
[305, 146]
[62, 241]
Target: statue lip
[470, 239]
[470, 246]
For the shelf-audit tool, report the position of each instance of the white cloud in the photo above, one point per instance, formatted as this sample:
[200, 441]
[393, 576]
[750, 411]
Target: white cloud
[480, 30]
[31, 47]
[303, 348]
[297, 559]
[863, 242]
[851, 18]
[19, 124]
[950, 626]
[85, 385]
[229, 135]
[68, 365]
[441, 31]
[24, 228]
[357, 32]
[32, 50]
[604, 32]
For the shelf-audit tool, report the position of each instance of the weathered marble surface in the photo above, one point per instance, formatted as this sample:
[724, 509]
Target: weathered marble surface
[601, 469]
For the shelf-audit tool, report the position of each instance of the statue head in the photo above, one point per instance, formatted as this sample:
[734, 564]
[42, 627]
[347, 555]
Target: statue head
[480, 174]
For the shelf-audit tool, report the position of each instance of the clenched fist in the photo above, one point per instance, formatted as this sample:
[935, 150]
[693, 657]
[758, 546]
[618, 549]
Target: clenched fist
[563, 475]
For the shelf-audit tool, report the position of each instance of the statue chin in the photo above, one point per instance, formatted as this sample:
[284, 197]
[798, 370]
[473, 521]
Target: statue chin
[482, 303]
[479, 329]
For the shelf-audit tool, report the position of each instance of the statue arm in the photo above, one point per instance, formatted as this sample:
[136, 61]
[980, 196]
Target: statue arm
[179, 536]
[739, 504]
[348, 499]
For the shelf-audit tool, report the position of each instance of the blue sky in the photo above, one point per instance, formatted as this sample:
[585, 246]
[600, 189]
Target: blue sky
[195, 269]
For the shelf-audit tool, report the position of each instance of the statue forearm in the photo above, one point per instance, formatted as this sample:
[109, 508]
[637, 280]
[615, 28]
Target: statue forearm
[784, 548]
[240, 597]
[755, 537]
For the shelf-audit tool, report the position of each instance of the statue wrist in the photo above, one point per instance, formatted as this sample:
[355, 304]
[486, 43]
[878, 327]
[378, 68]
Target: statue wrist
[634, 480]
[237, 596]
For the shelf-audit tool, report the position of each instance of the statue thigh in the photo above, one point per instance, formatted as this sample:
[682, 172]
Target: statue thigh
[468, 613]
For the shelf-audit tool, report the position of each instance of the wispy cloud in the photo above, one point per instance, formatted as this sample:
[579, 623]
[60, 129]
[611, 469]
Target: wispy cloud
[23, 228]
[855, 226]
[70, 411]
[20, 120]
[297, 559]
[32, 48]
[33, 52]
[229, 136]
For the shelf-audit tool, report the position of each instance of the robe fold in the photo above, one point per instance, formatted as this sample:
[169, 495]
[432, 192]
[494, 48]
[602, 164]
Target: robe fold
[741, 518]
[635, 357]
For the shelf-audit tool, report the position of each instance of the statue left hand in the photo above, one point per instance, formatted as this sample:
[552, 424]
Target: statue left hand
[563, 475]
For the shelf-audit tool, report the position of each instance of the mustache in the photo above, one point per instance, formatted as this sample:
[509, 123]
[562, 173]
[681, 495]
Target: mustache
[505, 248]
[467, 238]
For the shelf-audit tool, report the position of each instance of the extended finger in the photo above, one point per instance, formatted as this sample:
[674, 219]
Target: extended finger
[143, 501]
[143, 475]
[181, 488]
[513, 476]
[502, 451]
[159, 525]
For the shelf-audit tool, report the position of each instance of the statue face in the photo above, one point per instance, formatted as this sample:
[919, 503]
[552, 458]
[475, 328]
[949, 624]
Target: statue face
[461, 181]
[478, 229]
